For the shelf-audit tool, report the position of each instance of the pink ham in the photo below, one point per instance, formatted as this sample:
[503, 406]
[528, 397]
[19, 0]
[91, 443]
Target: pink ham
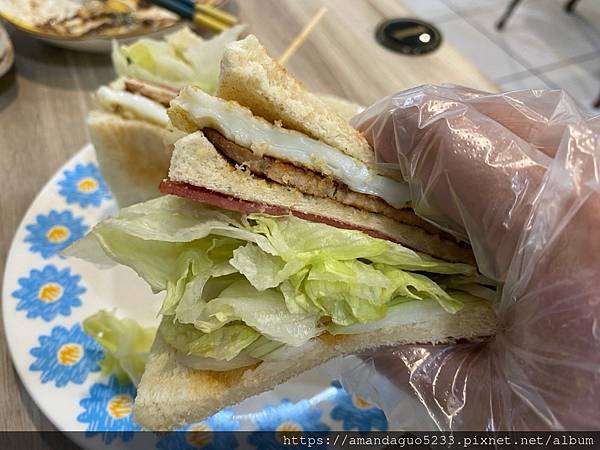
[204, 195]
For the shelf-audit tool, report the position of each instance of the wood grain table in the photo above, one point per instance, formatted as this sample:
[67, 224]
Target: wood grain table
[45, 98]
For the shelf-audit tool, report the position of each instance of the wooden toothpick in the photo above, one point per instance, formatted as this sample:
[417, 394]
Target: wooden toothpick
[296, 43]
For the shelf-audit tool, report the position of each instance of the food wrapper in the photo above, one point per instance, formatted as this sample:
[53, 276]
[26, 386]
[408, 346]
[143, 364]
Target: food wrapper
[518, 176]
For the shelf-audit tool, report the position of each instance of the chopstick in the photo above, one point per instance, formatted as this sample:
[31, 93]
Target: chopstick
[177, 7]
[209, 22]
[202, 14]
[210, 11]
[296, 43]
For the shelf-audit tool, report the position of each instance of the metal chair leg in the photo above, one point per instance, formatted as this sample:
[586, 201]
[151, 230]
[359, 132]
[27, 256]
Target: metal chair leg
[509, 11]
[570, 6]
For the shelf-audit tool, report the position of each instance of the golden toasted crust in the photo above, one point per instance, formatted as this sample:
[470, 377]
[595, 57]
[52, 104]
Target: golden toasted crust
[171, 394]
[253, 79]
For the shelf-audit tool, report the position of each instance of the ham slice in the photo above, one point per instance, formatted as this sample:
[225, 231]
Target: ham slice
[160, 93]
[213, 198]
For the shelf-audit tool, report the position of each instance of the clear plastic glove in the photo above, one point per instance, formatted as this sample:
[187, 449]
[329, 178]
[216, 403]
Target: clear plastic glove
[518, 174]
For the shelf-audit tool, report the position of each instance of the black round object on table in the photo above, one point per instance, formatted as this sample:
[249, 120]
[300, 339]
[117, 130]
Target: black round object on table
[408, 36]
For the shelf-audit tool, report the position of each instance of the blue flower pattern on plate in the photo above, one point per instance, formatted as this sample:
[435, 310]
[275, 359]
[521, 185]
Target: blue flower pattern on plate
[222, 421]
[286, 417]
[66, 356]
[54, 232]
[48, 292]
[357, 414]
[84, 185]
[107, 411]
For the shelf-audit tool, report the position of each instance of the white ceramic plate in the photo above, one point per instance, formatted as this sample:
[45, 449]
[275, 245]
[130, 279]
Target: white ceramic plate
[94, 43]
[102, 44]
[91, 43]
[45, 298]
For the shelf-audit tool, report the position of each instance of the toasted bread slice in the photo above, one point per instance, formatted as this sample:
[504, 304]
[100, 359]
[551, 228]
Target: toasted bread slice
[133, 155]
[196, 161]
[170, 394]
[254, 80]
[344, 108]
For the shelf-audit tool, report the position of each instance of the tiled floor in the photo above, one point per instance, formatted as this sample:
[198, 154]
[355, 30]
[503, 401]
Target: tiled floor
[541, 46]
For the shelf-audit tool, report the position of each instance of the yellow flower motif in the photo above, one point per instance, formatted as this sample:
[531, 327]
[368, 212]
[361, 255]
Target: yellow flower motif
[199, 435]
[84, 186]
[119, 406]
[58, 234]
[360, 403]
[69, 354]
[50, 292]
[288, 429]
[87, 185]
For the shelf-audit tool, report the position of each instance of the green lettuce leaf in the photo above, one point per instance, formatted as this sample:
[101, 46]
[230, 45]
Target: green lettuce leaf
[178, 335]
[205, 57]
[225, 343]
[353, 291]
[126, 344]
[347, 291]
[407, 259]
[159, 59]
[240, 288]
[299, 240]
[478, 286]
[217, 365]
[416, 286]
[262, 348]
[183, 39]
[407, 312]
[168, 241]
[183, 58]
[261, 269]
[263, 310]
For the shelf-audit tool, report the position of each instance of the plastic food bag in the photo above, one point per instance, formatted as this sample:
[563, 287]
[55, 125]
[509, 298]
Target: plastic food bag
[518, 174]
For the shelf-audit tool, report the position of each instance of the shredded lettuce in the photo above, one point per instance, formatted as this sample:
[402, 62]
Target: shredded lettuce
[216, 365]
[183, 58]
[225, 343]
[178, 335]
[241, 288]
[126, 344]
[264, 311]
[403, 313]
[262, 348]
[205, 57]
[300, 240]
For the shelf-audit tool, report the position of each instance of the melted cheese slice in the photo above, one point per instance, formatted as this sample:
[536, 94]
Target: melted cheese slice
[239, 125]
[136, 105]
